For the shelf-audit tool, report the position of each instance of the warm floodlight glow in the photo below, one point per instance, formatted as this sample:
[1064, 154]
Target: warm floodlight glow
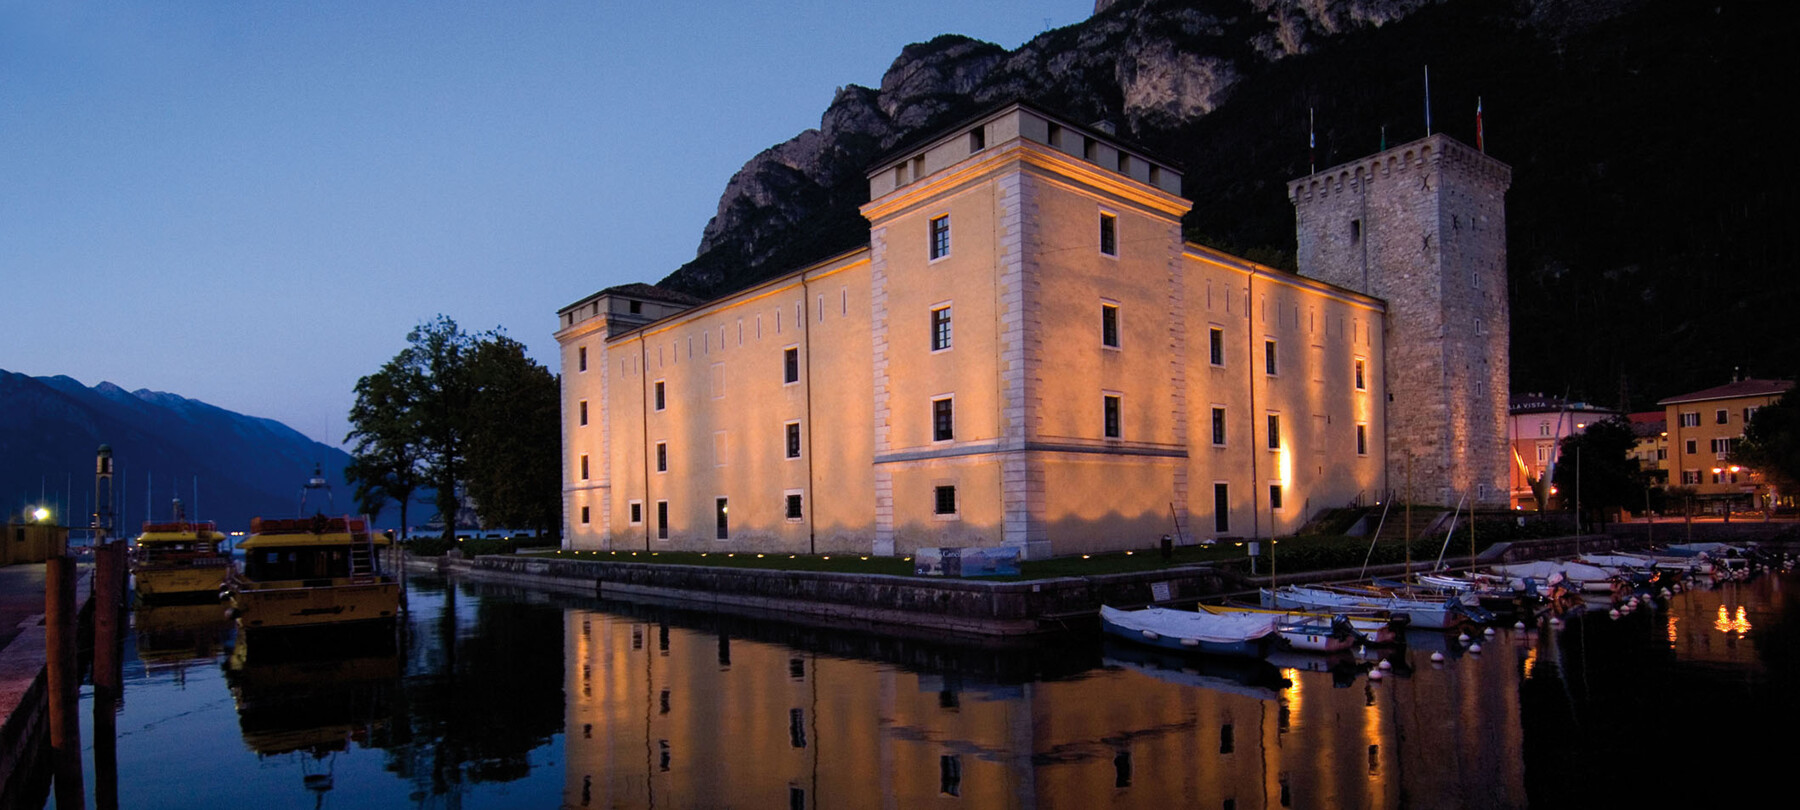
[40, 514]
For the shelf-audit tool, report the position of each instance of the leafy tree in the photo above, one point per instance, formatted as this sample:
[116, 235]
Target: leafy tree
[514, 437]
[387, 461]
[1771, 443]
[1597, 463]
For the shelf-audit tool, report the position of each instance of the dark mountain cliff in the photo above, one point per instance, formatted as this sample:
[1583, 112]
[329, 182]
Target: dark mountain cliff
[246, 466]
[1647, 218]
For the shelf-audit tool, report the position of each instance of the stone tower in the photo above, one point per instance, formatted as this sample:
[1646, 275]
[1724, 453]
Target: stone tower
[1423, 227]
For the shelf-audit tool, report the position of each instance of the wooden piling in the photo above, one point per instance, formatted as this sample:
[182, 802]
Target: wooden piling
[109, 603]
[64, 681]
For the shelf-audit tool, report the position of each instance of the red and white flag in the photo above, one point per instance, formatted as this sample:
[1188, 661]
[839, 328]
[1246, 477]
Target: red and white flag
[1480, 144]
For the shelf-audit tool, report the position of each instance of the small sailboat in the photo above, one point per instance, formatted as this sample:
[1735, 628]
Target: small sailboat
[1317, 632]
[1241, 634]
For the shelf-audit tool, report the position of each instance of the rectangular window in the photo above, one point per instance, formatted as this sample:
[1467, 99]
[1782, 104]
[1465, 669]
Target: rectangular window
[1110, 415]
[1362, 440]
[940, 237]
[977, 140]
[1693, 447]
[793, 439]
[1218, 427]
[583, 417]
[1221, 508]
[790, 365]
[943, 421]
[940, 329]
[721, 512]
[1274, 431]
[1109, 234]
[1543, 428]
[1362, 368]
[1690, 418]
[662, 456]
[584, 516]
[637, 513]
[1722, 416]
[1055, 135]
[944, 500]
[662, 520]
[584, 467]
[1690, 477]
[1355, 231]
[1274, 496]
[581, 358]
[1109, 325]
[1269, 357]
[661, 397]
[1749, 413]
[794, 506]
[1662, 454]
[1218, 346]
[1722, 447]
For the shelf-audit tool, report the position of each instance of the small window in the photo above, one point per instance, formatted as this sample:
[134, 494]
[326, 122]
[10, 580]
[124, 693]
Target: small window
[940, 237]
[1110, 415]
[637, 513]
[662, 456]
[583, 410]
[1124, 163]
[1109, 234]
[790, 365]
[940, 329]
[977, 140]
[1362, 374]
[662, 520]
[1269, 357]
[944, 500]
[794, 506]
[1690, 418]
[1356, 232]
[1090, 149]
[1274, 431]
[1749, 414]
[1362, 440]
[581, 358]
[1217, 346]
[1055, 135]
[635, 307]
[584, 516]
[943, 420]
[793, 439]
[584, 467]
[661, 396]
[1722, 416]
[1218, 427]
[1221, 508]
[721, 513]
[918, 171]
[1274, 496]
[1693, 447]
[1109, 325]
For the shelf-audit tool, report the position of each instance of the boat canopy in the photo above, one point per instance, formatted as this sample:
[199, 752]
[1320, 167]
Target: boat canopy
[257, 541]
[317, 530]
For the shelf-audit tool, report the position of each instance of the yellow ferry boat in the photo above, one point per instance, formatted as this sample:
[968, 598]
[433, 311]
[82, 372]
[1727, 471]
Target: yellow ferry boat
[181, 559]
[312, 571]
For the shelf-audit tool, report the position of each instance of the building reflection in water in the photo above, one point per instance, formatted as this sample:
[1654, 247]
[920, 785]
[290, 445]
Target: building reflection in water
[661, 716]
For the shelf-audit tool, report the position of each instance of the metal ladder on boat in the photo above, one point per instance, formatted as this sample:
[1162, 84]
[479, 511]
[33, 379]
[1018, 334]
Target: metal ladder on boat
[362, 560]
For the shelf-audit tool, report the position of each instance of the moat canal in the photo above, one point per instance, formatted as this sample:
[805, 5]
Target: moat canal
[498, 696]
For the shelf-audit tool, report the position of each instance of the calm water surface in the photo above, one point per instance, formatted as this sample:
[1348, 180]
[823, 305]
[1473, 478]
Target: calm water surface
[502, 697]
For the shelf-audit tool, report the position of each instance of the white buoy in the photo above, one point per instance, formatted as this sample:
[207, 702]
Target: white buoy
[1437, 658]
[1462, 637]
[1475, 648]
[1555, 622]
[1519, 625]
[1385, 664]
[1375, 675]
[1613, 614]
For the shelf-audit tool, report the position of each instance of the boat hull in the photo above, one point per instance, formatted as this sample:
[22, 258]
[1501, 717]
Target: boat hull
[1417, 614]
[186, 582]
[1118, 625]
[272, 606]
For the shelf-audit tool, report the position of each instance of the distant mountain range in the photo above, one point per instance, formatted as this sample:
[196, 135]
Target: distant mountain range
[1648, 221]
[164, 446]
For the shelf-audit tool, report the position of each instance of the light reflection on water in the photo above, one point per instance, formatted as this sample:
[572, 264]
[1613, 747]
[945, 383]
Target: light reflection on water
[503, 697]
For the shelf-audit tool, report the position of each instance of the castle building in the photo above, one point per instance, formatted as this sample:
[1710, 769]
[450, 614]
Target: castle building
[1028, 354]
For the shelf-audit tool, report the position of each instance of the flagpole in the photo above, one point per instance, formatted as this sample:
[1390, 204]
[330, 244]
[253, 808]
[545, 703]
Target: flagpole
[1480, 141]
[1312, 144]
[1428, 100]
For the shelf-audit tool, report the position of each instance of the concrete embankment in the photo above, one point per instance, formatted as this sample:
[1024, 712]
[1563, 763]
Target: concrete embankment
[921, 606]
[24, 680]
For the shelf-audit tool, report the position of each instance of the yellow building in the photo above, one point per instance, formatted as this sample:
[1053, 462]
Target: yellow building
[1026, 354]
[1704, 428]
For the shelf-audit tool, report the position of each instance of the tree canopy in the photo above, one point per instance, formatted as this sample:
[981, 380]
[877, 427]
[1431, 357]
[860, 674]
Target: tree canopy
[1771, 443]
[453, 412]
[1596, 466]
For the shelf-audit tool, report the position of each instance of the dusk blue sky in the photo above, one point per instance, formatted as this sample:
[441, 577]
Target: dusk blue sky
[252, 203]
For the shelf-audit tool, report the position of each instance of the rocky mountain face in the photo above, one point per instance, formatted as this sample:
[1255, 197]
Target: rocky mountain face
[164, 446]
[1639, 131]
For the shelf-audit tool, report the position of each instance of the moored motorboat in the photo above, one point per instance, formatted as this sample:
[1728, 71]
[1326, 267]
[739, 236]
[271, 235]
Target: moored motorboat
[179, 560]
[1193, 631]
[1447, 612]
[312, 571]
[1317, 632]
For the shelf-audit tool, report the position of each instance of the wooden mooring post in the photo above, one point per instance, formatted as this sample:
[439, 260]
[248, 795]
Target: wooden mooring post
[64, 681]
[109, 616]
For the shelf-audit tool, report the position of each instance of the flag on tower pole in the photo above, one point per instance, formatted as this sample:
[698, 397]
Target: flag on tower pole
[1480, 144]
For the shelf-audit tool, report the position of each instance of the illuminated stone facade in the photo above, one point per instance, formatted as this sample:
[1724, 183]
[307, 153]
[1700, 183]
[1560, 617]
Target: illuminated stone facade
[1026, 354]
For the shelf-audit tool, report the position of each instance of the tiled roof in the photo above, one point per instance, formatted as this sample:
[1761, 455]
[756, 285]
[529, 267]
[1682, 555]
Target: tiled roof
[1731, 390]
